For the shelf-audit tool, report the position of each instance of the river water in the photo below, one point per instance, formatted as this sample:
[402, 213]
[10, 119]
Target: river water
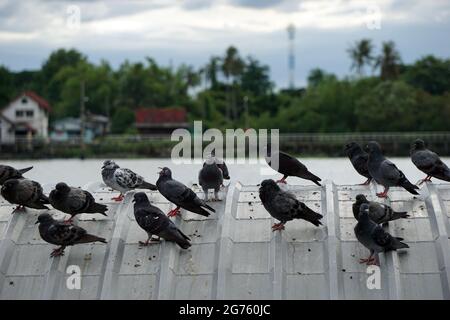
[82, 173]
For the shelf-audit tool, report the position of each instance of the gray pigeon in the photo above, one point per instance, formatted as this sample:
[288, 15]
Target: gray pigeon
[155, 222]
[122, 179]
[25, 193]
[283, 205]
[358, 157]
[8, 172]
[210, 177]
[373, 237]
[74, 201]
[378, 212]
[428, 162]
[289, 166]
[385, 172]
[180, 195]
[221, 164]
[63, 235]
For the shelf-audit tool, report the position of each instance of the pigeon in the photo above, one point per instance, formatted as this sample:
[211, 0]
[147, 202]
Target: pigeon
[74, 201]
[221, 164]
[122, 179]
[25, 193]
[63, 235]
[358, 157]
[428, 162]
[289, 166]
[283, 205]
[210, 177]
[373, 237]
[155, 222]
[378, 212]
[180, 195]
[7, 172]
[385, 172]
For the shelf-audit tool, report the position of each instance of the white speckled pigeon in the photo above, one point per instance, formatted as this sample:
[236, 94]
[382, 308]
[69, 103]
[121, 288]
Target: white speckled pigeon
[283, 205]
[63, 235]
[122, 179]
[210, 177]
[378, 212]
[358, 157]
[25, 193]
[74, 201]
[289, 166]
[428, 162]
[180, 195]
[385, 172]
[155, 222]
[8, 172]
[373, 237]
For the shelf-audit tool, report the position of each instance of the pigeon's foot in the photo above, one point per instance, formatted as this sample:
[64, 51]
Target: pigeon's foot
[57, 252]
[383, 194]
[422, 181]
[367, 261]
[68, 221]
[118, 198]
[174, 212]
[18, 209]
[148, 242]
[278, 226]
[367, 182]
[282, 181]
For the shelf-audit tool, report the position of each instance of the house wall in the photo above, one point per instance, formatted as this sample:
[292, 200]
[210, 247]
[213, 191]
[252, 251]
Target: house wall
[39, 121]
[6, 136]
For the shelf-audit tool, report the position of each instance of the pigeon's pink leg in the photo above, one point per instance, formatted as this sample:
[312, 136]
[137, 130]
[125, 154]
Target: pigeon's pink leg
[118, 198]
[148, 242]
[69, 221]
[278, 226]
[368, 260]
[383, 194]
[427, 178]
[366, 183]
[18, 208]
[58, 252]
[282, 180]
[174, 212]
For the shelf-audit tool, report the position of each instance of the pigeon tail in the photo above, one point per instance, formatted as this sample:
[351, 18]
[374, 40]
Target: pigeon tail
[397, 244]
[399, 215]
[91, 238]
[313, 178]
[311, 216]
[99, 208]
[22, 171]
[146, 185]
[183, 240]
[411, 188]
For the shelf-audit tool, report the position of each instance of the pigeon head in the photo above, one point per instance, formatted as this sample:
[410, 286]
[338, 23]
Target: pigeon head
[165, 172]
[44, 218]
[140, 197]
[364, 211]
[62, 187]
[269, 185]
[210, 160]
[109, 164]
[419, 144]
[352, 147]
[360, 199]
[373, 147]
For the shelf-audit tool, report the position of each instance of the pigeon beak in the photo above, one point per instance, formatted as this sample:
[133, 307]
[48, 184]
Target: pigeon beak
[36, 222]
[258, 184]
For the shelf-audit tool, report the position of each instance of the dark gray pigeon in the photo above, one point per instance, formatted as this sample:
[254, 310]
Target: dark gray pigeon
[8, 172]
[373, 237]
[155, 222]
[283, 205]
[289, 166]
[378, 212]
[358, 157]
[63, 235]
[25, 193]
[74, 201]
[122, 179]
[180, 195]
[385, 172]
[221, 164]
[210, 177]
[428, 162]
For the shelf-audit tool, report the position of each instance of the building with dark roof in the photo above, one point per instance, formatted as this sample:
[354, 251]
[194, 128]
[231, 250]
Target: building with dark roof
[160, 120]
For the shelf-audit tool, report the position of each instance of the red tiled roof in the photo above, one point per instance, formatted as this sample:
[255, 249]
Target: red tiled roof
[160, 115]
[40, 101]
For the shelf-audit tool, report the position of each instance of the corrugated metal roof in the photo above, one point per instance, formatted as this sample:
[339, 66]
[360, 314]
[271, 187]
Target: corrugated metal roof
[235, 255]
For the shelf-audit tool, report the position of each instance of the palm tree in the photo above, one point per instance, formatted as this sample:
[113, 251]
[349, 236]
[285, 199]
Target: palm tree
[388, 61]
[211, 70]
[361, 55]
[232, 68]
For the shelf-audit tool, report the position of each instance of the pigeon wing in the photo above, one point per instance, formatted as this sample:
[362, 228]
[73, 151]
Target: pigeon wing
[127, 179]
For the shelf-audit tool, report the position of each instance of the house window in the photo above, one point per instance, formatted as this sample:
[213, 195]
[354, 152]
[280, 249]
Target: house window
[19, 113]
[24, 100]
[30, 113]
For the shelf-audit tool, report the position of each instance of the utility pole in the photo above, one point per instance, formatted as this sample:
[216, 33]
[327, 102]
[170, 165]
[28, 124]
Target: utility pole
[82, 119]
[291, 55]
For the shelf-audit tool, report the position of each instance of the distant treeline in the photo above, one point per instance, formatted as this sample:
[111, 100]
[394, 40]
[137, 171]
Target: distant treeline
[231, 91]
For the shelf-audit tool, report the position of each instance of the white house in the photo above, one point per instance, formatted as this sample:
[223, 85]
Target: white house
[24, 117]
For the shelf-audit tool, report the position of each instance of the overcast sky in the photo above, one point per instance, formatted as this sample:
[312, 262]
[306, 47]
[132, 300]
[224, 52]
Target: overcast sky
[190, 31]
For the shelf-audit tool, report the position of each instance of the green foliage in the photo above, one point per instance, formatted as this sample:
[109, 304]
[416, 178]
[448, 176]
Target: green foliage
[122, 121]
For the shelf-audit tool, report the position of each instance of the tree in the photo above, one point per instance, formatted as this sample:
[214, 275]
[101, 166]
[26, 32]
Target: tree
[317, 76]
[388, 61]
[361, 55]
[122, 120]
[255, 78]
[232, 67]
[211, 70]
